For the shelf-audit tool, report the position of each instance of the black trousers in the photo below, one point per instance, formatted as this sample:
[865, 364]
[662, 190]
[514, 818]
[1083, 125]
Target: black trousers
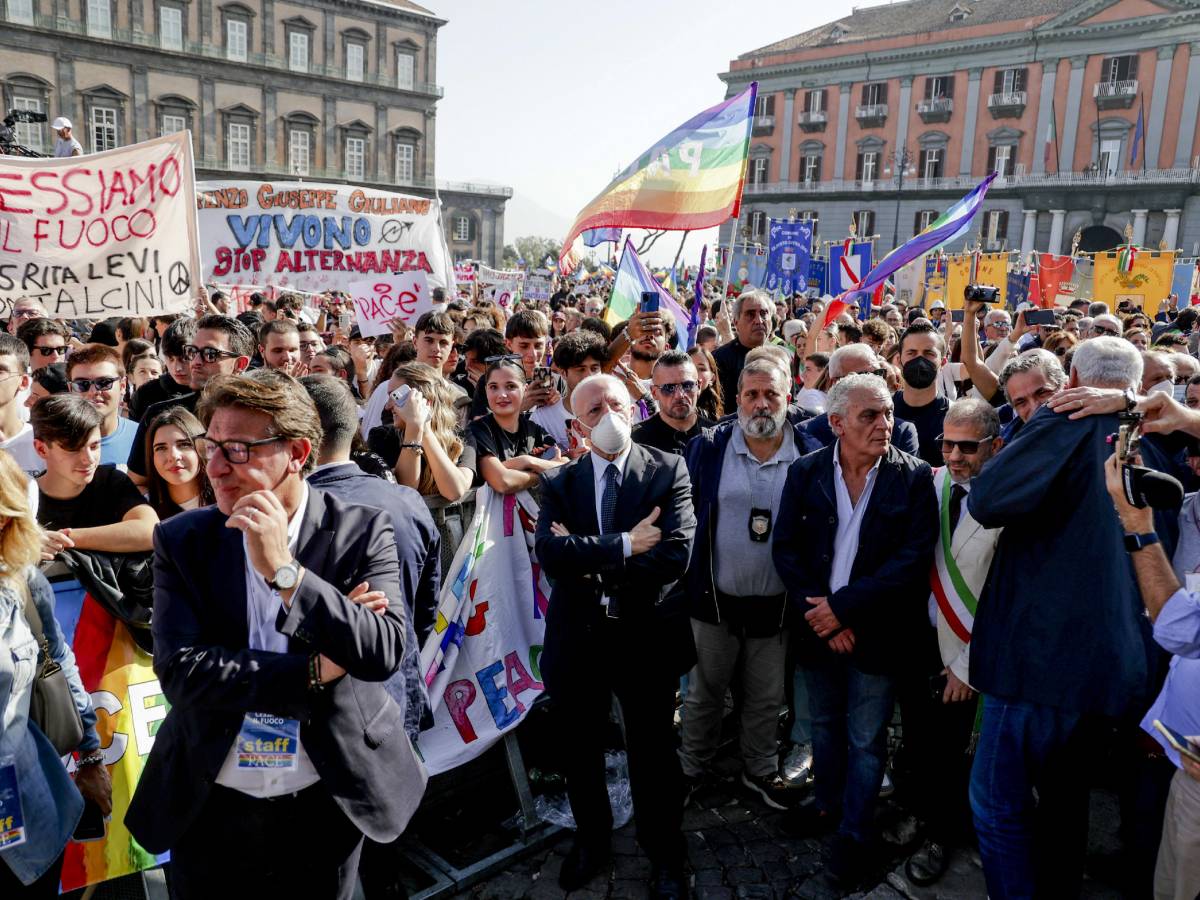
[655, 777]
[299, 845]
[45, 888]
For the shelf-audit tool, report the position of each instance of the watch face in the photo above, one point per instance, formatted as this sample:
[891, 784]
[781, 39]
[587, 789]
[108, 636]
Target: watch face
[286, 577]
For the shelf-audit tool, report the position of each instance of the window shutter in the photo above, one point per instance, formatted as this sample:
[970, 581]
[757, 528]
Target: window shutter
[921, 163]
[883, 92]
[998, 82]
[928, 87]
[858, 171]
[1133, 61]
[771, 105]
[991, 159]
[949, 81]
[1019, 80]
[1002, 228]
[817, 170]
[822, 94]
[865, 94]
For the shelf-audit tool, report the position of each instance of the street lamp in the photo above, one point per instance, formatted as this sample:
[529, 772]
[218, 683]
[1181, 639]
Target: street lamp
[900, 160]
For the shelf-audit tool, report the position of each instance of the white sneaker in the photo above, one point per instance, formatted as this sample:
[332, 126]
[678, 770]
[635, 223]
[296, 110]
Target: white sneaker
[797, 768]
[887, 788]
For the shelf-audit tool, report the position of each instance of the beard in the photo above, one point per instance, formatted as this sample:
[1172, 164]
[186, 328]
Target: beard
[761, 425]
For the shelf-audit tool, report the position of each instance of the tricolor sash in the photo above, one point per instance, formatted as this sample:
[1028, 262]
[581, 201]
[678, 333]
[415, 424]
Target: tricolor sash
[954, 596]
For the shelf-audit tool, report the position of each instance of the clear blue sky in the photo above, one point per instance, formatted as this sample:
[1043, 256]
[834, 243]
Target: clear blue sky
[553, 98]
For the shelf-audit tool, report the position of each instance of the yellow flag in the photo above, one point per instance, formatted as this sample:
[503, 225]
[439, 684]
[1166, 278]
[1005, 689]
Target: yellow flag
[993, 270]
[958, 276]
[1145, 286]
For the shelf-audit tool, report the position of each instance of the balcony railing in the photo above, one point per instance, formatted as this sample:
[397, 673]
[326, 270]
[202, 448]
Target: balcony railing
[1114, 94]
[871, 114]
[810, 120]
[937, 109]
[764, 124]
[1007, 104]
[213, 165]
[960, 183]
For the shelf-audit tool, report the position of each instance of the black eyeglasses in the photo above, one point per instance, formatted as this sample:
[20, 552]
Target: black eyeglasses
[687, 387]
[235, 452]
[51, 351]
[83, 385]
[310, 345]
[208, 354]
[967, 447]
[28, 314]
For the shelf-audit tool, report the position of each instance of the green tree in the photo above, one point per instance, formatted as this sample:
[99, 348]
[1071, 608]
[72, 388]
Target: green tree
[534, 250]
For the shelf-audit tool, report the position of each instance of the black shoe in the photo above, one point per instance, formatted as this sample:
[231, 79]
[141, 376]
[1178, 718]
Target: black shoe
[668, 883]
[581, 864]
[807, 821]
[927, 865]
[849, 862]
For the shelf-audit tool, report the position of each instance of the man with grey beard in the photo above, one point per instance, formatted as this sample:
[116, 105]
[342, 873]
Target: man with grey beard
[736, 599]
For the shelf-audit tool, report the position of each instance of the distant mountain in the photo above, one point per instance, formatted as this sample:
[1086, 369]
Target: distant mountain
[524, 216]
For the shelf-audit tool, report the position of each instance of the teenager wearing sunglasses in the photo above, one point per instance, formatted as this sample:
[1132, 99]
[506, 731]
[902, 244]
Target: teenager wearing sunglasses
[47, 341]
[95, 373]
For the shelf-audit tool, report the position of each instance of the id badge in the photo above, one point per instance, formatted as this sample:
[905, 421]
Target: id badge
[1193, 583]
[268, 742]
[760, 525]
[12, 821]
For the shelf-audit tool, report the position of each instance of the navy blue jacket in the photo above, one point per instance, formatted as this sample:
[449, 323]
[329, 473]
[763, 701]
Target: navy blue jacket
[885, 601]
[1060, 621]
[904, 434]
[705, 457]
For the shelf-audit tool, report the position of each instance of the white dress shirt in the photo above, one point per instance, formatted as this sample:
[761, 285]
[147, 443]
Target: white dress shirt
[850, 516]
[599, 467]
[262, 607]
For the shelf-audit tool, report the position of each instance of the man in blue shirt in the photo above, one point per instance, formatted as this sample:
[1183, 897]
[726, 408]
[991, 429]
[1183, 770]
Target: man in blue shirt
[94, 372]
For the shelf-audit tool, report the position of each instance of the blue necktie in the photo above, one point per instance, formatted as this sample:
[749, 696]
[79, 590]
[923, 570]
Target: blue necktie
[608, 503]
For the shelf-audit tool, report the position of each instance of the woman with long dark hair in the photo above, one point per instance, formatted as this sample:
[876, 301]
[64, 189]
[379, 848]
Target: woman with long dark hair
[176, 479]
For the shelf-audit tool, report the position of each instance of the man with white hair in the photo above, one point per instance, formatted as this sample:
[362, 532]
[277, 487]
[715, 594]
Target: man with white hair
[1105, 325]
[614, 534]
[736, 599]
[854, 545]
[1052, 652]
[857, 359]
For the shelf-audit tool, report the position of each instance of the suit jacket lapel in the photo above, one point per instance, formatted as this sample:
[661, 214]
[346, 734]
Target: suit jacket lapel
[314, 541]
[229, 579]
[639, 470]
[584, 493]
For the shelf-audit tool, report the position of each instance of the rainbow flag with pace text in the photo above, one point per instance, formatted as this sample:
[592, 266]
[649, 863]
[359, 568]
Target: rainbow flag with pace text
[691, 178]
[130, 707]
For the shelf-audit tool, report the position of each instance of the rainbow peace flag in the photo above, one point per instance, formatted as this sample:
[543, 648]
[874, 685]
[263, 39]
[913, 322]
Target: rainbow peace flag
[130, 706]
[691, 178]
[632, 278]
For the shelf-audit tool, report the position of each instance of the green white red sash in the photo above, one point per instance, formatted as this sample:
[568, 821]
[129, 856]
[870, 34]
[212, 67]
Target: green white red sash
[954, 597]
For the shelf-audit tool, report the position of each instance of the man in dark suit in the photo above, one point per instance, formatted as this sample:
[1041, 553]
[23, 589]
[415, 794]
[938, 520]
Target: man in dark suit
[277, 618]
[853, 547]
[614, 534]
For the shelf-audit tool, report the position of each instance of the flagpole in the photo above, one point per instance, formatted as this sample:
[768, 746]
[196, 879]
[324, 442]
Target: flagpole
[1142, 117]
[1057, 148]
[677, 255]
[729, 258]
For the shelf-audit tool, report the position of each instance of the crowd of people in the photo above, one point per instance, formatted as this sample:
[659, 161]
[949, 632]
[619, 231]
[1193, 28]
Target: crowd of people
[901, 545]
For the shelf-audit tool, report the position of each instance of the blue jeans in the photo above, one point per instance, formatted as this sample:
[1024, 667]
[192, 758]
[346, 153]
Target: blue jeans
[1025, 844]
[850, 713]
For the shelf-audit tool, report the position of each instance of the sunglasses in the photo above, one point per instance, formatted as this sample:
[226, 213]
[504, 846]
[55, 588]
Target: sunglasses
[1099, 329]
[235, 452]
[51, 351]
[687, 387]
[967, 447]
[207, 354]
[83, 385]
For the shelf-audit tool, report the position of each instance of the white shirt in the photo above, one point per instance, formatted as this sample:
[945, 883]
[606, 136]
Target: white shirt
[63, 149]
[20, 445]
[262, 606]
[599, 467]
[554, 419]
[850, 516]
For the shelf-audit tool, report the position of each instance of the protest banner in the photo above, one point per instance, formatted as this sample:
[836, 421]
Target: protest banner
[908, 282]
[488, 275]
[506, 294]
[1145, 285]
[536, 288]
[787, 260]
[1054, 277]
[380, 300]
[748, 269]
[817, 275]
[130, 707]
[958, 276]
[317, 237]
[108, 234]
[935, 279]
[847, 269]
[993, 270]
[464, 273]
[482, 659]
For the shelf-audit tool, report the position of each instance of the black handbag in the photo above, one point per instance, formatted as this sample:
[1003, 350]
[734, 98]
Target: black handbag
[51, 706]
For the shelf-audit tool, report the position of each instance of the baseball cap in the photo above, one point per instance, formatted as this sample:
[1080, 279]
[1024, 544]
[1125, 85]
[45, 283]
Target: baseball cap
[791, 328]
[60, 122]
[937, 304]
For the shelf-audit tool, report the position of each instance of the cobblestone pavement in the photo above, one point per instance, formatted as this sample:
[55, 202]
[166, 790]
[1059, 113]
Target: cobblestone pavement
[737, 850]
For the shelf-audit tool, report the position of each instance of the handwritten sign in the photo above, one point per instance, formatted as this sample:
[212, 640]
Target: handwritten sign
[506, 294]
[107, 234]
[380, 300]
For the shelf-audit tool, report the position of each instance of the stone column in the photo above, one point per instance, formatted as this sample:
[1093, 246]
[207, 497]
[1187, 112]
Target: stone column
[430, 142]
[137, 17]
[903, 113]
[1028, 230]
[1187, 116]
[330, 59]
[1058, 218]
[1171, 229]
[1139, 226]
[65, 70]
[268, 27]
[211, 138]
[329, 108]
[142, 129]
[381, 52]
[206, 24]
[843, 123]
[1071, 121]
[1045, 108]
[382, 144]
[270, 126]
[1158, 106]
[788, 131]
[968, 148]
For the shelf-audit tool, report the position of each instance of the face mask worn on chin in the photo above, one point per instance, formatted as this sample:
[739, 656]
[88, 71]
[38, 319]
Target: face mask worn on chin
[920, 372]
[611, 434]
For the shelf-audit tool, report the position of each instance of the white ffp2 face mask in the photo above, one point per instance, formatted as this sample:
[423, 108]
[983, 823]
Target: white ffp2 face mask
[611, 434]
[1163, 387]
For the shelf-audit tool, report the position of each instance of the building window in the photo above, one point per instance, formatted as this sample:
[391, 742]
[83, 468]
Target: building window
[995, 228]
[237, 146]
[172, 123]
[874, 94]
[356, 55]
[939, 87]
[758, 170]
[864, 223]
[868, 166]
[815, 102]
[1000, 159]
[29, 134]
[356, 158]
[99, 18]
[462, 228]
[930, 165]
[764, 106]
[1009, 81]
[810, 168]
[811, 215]
[104, 129]
[923, 219]
[299, 149]
[298, 51]
[170, 27]
[406, 66]
[237, 39]
[405, 158]
[758, 225]
[1119, 68]
[20, 12]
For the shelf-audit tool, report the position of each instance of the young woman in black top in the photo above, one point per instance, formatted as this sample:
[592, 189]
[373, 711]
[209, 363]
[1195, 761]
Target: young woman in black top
[176, 480]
